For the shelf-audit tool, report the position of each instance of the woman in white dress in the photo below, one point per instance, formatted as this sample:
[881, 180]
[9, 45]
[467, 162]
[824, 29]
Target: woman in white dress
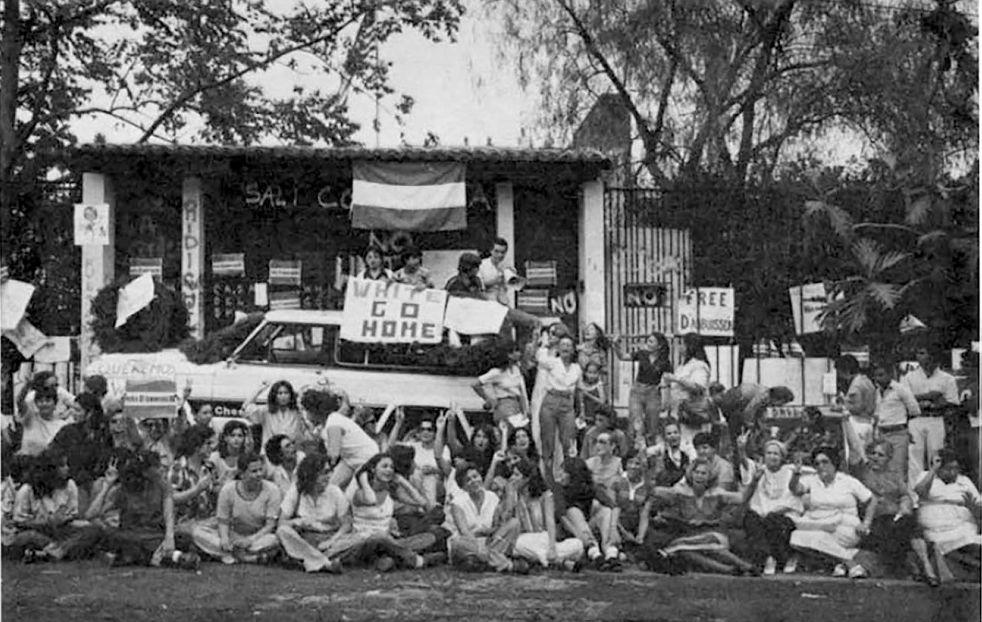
[831, 524]
[689, 397]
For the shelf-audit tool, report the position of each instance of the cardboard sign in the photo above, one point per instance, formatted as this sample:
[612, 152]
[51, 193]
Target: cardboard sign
[470, 316]
[808, 302]
[645, 295]
[55, 350]
[284, 272]
[26, 337]
[137, 294]
[14, 297]
[154, 266]
[91, 224]
[229, 264]
[380, 312]
[154, 398]
[707, 311]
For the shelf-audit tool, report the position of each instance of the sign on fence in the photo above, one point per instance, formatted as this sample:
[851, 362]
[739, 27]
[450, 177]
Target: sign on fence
[284, 272]
[154, 266]
[708, 311]
[807, 304]
[381, 312]
[645, 295]
[91, 224]
[228, 264]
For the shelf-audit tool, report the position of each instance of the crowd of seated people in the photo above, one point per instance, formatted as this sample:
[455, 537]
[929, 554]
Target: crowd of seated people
[315, 484]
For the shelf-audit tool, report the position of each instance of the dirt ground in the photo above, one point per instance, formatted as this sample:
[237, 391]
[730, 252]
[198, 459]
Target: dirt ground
[93, 591]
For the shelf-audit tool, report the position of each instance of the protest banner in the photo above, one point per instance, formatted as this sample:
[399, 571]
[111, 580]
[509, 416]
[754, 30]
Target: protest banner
[471, 316]
[91, 224]
[707, 311]
[151, 398]
[808, 302]
[136, 295]
[26, 337]
[381, 312]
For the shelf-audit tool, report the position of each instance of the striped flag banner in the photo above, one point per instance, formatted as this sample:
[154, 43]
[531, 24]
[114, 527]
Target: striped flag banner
[284, 300]
[540, 273]
[285, 272]
[410, 196]
[228, 264]
[154, 266]
[534, 300]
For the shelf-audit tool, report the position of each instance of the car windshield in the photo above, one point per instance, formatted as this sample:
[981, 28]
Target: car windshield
[291, 344]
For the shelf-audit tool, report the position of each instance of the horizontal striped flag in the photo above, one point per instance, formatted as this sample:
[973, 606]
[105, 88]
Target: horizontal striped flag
[540, 273]
[410, 196]
[284, 300]
[534, 300]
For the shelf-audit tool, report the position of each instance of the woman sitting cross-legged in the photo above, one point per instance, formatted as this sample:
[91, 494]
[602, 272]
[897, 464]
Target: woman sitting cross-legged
[529, 500]
[314, 515]
[689, 525]
[483, 536]
[830, 524]
[949, 515]
[375, 536]
[43, 511]
[247, 511]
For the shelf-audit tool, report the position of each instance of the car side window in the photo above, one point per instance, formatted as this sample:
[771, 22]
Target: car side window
[292, 344]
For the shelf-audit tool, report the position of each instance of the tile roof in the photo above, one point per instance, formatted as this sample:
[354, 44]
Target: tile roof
[477, 155]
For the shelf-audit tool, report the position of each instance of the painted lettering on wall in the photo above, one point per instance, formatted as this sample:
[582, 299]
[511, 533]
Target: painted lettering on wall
[563, 303]
[263, 195]
[192, 260]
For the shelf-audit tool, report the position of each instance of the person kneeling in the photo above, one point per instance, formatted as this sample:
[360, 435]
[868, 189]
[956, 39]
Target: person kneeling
[247, 511]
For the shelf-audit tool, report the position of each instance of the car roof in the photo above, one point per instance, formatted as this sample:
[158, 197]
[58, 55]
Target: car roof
[304, 316]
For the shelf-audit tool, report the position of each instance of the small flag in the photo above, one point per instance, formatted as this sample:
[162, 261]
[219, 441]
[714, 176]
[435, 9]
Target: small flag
[228, 264]
[534, 300]
[540, 273]
[284, 300]
[409, 196]
[285, 272]
[154, 266]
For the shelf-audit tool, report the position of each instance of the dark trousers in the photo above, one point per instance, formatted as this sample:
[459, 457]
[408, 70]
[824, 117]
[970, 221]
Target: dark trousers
[890, 539]
[767, 536]
[368, 551]
[135, 547]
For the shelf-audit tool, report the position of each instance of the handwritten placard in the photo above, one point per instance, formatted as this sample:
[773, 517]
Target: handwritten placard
[151, 398]
[284, 272]
[707, 311]
[380, 312]
[808, 302]
[91, 224]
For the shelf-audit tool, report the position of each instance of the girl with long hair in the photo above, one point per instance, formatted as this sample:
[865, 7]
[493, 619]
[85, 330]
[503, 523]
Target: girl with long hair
[315, 514]
[645, 401]
[280, 415]
[689, 391]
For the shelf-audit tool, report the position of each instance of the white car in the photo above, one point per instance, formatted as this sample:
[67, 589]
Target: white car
[302, 347]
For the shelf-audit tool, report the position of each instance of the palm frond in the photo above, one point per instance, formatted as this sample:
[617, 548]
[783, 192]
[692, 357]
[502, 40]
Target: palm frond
[919, 209]
[885, 294]
[839, 219]
[891, 259]
[868, 256]
[931, 237]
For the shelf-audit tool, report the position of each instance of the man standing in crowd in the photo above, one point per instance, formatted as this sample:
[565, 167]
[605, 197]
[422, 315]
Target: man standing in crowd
[895, 406]
[935, 390]
[492, 273]
[860, 397]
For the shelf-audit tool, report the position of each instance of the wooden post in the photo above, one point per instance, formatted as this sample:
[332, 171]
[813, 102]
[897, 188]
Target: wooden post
[98, 262]
[193, 253]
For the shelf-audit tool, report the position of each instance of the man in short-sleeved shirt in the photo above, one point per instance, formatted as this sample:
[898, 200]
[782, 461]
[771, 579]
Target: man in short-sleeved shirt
[933, 389]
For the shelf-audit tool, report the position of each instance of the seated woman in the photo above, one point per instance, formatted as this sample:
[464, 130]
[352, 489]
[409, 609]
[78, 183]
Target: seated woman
[43, 510]
[830, 524]
[520, 446]
[668, 462]
[432, 457]
[314, 515]
[157, 437]
[894, 526]
[282, 460]
[86, 443]
[949, 514]
[482, 536]
[688, 526]
[375, 537]
[587, 509]
[771, 504]
[231, 446]
[608, 477]
[139, 494]
[193, 479]
[247, 511]
[529, 500]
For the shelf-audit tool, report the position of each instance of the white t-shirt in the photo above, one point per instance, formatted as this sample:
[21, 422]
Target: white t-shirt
[493, 279]
[426, 456]
[329, 507]
[357, 447]
[555, 375]
[38, 433]
[504, 382]
[693, 371]
[475, 517]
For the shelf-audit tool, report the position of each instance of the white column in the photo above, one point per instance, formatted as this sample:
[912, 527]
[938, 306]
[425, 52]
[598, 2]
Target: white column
[504, 195]
[98, 262]
[592, 259]
[193, 253]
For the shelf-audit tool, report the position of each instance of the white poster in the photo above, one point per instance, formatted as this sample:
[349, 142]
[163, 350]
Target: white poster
[807, 303]
[91, 224]
[14, 297]
[708, 311]
[151, 398]
[27, 338]
[54, 350]
[381, 312]
[470, 316]
[136, 295]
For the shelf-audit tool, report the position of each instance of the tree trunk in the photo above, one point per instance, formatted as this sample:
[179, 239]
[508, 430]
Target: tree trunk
[9, 68]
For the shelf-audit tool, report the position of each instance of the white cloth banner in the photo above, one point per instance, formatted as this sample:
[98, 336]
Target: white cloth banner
[54, 350]
[708, 311]
[470, 316]
[807, 304]
[382, 312]
[14, 297]
[27, 338]
[136, 295]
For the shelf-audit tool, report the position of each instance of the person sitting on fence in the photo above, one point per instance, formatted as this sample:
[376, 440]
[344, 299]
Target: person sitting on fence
[247, 510]
[313, 516]
[413, 273]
